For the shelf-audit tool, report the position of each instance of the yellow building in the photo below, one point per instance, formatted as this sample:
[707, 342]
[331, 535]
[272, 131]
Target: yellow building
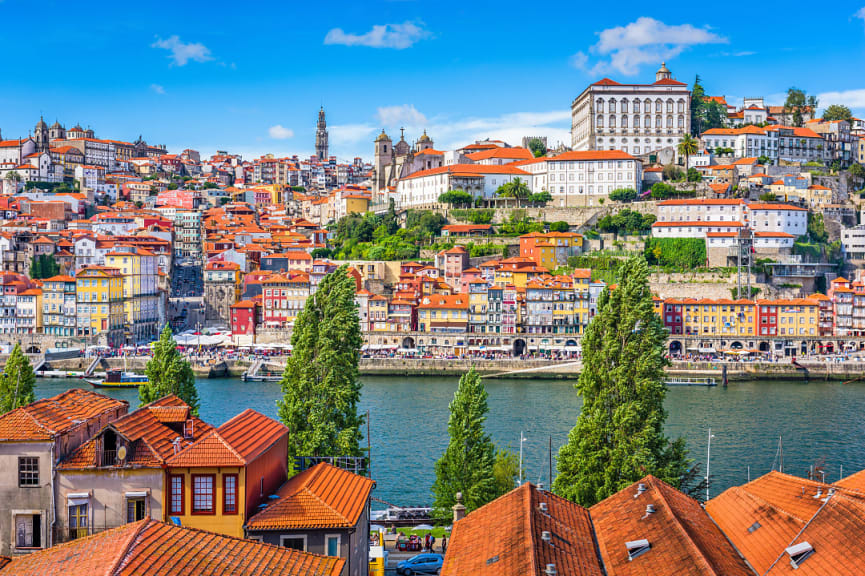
[581, 277]
[100, 303]
[139, 269]
[550, 249]
[378, 309]
[798, 317]
[517, 271]
[442, 314]
[218, 482]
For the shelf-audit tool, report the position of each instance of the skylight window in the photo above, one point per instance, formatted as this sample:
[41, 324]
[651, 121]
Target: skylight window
[799, 553]
[637, 548]
[753, 527]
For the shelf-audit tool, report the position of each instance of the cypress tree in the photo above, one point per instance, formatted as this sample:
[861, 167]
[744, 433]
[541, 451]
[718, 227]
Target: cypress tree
[321, 384]
[467, 463]
[17, 381]
[168, 372]
[619, 436]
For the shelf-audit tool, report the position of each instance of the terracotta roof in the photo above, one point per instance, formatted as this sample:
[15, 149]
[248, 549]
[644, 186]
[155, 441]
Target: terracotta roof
[683, 539]
[695, 223]
[151, 548]
[504, 538]
[507, 153]
[323, 496]
[591, 155]
[702, 202]
[43, 419]
[236, 443]
[469, 170]
[764, 206]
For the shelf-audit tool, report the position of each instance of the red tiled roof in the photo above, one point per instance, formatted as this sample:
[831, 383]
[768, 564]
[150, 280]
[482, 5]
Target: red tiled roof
[469, 170]
[764, 206]
[151, 548]
[697, 223]
[321, 497]
[503, 538]
[591, 155]
[41, 420]
[516, 153]
[684, 541]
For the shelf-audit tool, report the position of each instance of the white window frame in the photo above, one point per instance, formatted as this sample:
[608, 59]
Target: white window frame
[255, 538]
[284, 537]
[327, 537]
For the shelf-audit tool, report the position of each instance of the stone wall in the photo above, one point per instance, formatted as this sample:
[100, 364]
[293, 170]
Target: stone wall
[218, 300]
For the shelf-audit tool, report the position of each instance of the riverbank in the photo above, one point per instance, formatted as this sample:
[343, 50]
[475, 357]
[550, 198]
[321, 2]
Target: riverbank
[512, 368]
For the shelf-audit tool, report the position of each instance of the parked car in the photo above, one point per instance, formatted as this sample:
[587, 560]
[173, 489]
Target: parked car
[421, 564]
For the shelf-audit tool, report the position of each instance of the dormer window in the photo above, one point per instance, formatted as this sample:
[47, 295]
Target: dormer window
[799, 553]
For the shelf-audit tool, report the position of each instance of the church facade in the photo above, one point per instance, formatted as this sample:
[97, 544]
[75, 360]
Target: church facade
[400, 160]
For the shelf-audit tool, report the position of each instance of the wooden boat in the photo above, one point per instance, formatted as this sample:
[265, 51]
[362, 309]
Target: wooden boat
[119, 379]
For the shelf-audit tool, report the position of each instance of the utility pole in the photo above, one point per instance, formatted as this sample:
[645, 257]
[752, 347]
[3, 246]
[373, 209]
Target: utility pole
[522, 439]
[708, 462]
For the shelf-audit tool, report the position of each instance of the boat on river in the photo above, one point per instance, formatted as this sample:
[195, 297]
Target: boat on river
[685, 381]
[118, 379]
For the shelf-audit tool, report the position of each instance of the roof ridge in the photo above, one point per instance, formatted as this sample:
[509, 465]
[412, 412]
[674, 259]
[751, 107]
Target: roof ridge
[798, 534]
[119, 560]
[530, 521]
[305, 487]
[679, 523]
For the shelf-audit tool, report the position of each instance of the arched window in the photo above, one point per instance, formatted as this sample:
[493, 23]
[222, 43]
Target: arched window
[624, 107]
[600, 106]
[600, 121]
[681, 122]
[659, 106]
[612, 121]
[669, 121]
[670, 106]
[681, 106]
[658, 122]
[624, 122]
[637, 122]
[636, 105]
[648, 122]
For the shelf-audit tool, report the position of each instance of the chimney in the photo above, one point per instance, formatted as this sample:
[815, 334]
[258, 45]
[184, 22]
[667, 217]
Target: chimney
[546, 536]
[458, 508]
[551, 570]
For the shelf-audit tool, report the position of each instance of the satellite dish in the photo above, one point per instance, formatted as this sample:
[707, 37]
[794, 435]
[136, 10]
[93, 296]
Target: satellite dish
[121, 453]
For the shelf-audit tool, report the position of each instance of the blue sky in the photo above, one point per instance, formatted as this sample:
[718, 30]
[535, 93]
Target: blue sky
[249, 77]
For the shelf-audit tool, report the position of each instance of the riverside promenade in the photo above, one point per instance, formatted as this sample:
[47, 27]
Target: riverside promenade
[818, 368]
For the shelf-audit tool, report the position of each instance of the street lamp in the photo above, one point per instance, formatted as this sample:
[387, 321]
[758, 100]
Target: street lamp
[522, 439]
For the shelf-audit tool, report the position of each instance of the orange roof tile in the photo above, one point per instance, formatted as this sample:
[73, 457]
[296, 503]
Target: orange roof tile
[151, 548]
[684, 541]
[469, 170]
[320, 497]
[43, 419]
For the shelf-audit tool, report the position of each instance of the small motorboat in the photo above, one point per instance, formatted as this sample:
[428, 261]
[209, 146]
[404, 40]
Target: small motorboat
[119, 379]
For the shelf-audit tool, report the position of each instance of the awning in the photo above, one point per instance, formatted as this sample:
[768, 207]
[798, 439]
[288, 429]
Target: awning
[136, 494]
[77, 498]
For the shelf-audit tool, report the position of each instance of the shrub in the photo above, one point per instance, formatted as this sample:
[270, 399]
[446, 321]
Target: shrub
[560, 226]
[686, 253]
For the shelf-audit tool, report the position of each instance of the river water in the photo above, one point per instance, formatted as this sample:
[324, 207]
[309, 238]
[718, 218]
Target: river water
[408, 424]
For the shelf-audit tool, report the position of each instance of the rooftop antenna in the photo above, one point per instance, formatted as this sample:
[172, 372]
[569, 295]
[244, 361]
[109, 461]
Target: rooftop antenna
[522, 439]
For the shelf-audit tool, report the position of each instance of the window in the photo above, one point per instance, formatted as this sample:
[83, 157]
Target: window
[136, 509]
[28, 531]
[203, 492]
[332, 542]
[293, 542]
[77, 521]
[28, 471]
[229, 494]
[175, 504]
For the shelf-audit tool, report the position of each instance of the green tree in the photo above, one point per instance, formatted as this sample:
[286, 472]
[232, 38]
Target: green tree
[856, 177]
[17, 381]
[768, 197]
[321, 384]
[688, 147]
[44, 266]
[541, 197]
[516, 189]
[705, 113]
[538, 148]
[623, 195]
[694, 175]
[13, 176]
[168, 372]
[817, 228]
[467, 463]
[798, 102]
[559, 226]
[837, 112]
[506, 471]
[456, 198]
[764, 160]
[619, 435]
[673, 173]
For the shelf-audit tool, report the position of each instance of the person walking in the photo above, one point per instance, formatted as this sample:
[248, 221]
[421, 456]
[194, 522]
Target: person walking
[444, 544]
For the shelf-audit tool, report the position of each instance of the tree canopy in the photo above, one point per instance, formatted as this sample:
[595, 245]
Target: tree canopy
[467, 463]
[619, 435]
[538, 148]
[168, 372]
[516, 189]
[17, 381]
[705, 113]
[456, 198]
[837, 112]
[321, 384]
[798, 102]
[44, 266]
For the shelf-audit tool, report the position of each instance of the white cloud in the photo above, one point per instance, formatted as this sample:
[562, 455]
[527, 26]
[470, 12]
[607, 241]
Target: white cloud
[182, 53]
[406, 115]
[397, 36]
[849, 98]
[739, 54]
[278, 132]
[157, 88]
[625, 49]
[860, 13]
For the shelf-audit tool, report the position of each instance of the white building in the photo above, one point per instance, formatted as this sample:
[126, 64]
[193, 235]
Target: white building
[581, 178]
[698, 210]
[694, 229]
[422, 189]
[748, 141]
[635, 118]
[853, 242]
[762, 217]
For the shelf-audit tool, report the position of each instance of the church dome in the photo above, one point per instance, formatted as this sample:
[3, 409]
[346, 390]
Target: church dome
[425, 138]
[56, 126]
[41, 124]
[381, 137]
[663, 72]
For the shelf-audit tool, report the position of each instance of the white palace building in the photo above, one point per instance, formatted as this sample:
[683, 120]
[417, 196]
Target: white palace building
[635, 118]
